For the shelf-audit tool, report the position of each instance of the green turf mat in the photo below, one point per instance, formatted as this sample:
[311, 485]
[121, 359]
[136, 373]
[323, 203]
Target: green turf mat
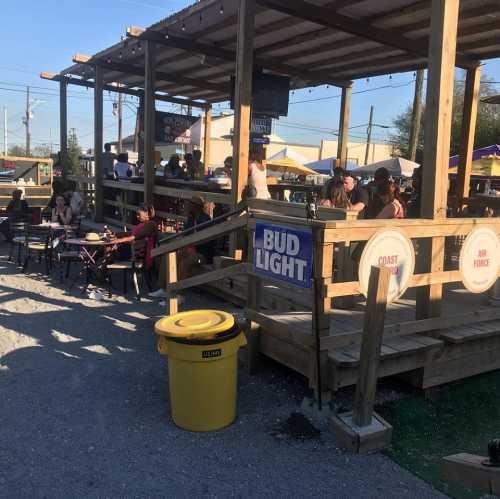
[462, 417]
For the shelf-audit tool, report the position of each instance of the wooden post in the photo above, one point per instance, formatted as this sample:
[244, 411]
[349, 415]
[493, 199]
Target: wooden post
[63, 125]
[140, 128]
[361, 430]
[371, 344]
[149, 122]
[345, 114]
[207, 141]
[243, 98]
[98, 140]
[323, 273]
[439, 103]
[254, 288]
[416, 116]
[171, 278]
[469, 118]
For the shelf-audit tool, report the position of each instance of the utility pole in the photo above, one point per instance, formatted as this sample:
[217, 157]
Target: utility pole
[416, 117]
[369, 135]
[5, 132]
[120, 122]
[27, 120]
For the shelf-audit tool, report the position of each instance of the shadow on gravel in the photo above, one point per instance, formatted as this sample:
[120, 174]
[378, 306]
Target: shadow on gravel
[85, 412]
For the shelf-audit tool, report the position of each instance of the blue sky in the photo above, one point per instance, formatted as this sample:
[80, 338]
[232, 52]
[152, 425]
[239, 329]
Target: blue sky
[43, 36]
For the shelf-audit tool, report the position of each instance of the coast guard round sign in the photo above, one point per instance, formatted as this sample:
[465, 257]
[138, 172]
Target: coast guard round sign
[392, 249]
[479, 260]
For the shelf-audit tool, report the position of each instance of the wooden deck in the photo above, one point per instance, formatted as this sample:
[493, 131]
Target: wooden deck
[423, 356]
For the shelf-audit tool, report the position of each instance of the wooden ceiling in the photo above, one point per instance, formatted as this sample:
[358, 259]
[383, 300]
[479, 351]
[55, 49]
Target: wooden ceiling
[315, 42]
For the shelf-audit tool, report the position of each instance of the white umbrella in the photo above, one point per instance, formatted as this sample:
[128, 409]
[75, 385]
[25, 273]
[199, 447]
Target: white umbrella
[397, 167]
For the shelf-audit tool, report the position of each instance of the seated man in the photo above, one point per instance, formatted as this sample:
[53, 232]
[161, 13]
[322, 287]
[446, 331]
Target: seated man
[16, 209]
[357, 197]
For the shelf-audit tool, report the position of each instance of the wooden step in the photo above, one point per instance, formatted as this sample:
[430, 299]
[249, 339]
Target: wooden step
[396, 346]
[471, 332]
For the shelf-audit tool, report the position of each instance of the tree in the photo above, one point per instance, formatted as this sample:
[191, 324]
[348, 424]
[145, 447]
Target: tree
[18, 151]
[41, 152]
[487, 128]
[74, 153]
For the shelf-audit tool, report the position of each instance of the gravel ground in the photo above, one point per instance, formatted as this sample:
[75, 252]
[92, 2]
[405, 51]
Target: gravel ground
[85, 412]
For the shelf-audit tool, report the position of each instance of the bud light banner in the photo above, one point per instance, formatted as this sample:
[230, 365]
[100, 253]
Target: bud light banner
[283, 253]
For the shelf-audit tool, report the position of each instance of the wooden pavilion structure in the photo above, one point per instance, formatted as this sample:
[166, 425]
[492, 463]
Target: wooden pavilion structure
[189, 58]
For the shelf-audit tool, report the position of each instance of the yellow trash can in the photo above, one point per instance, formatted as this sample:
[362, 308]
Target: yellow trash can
[202, 347]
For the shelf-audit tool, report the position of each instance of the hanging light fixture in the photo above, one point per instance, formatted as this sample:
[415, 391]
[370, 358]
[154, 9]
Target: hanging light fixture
[183, 27]
[221, 10]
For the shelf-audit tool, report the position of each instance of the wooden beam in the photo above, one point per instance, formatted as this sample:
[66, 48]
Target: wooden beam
[98, 143]
[345, 114]
[438, 111]
[212, 50]
[120, 90]
[469, 117]
[201, 237]
[120, 67]
[439, 104]
[63, 126]
[468, 470]
[149, 121]
[205, 278]
[207, 138]
[371, 344]
[243, 98]
[324, 16]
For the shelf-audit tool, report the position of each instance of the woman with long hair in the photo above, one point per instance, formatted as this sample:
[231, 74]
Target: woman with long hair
[393, 204]
[334, 195]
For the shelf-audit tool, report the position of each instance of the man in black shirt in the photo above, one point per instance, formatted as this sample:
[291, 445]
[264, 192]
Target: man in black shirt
[357, 196]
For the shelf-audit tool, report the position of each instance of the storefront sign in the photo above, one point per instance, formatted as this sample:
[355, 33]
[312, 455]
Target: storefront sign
[392, 249]
[174, 128]
[283, 253]
[479, 260]
[261, 124]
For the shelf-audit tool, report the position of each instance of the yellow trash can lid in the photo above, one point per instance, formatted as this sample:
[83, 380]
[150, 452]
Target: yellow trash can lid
[195, 324]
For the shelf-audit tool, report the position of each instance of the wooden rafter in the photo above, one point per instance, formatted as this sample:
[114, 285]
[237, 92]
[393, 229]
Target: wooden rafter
[120, 90]
[209, 49]
[365, 53]
[331, 19]
[139, 71]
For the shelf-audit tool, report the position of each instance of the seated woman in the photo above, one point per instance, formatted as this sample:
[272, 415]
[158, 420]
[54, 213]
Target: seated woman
[195, 256]
[393, 206]
[334, 195]
[146, 229]
[62, 213]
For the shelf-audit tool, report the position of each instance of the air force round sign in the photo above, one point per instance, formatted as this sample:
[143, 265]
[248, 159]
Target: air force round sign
[391, 249]
[479, 260]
